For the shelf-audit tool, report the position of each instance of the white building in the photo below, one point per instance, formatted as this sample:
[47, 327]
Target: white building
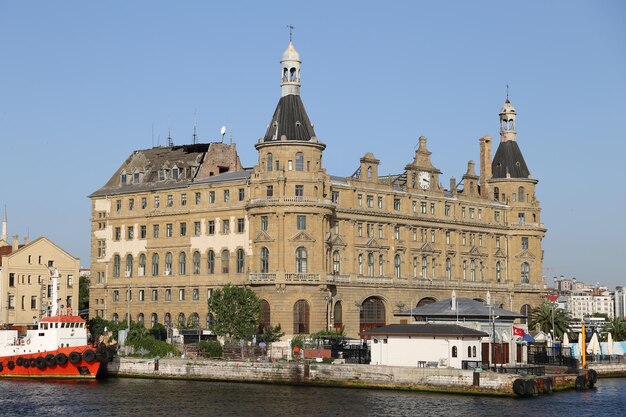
[425, 345]
[583, 303]
[620, 302]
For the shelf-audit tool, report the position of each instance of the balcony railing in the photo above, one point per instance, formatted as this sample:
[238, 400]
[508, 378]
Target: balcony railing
[261, 277]
[302, 277]
[374, 280]
[290, 200]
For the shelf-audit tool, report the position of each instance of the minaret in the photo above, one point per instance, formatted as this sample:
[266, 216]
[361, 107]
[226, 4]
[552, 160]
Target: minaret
[290, 77]
[4, 225]
[507, 122]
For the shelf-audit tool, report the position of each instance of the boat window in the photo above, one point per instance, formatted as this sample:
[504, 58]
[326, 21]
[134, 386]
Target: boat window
[63, 325]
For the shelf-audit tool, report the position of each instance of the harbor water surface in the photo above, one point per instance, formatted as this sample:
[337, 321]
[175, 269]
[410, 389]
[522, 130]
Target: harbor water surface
[152, 397]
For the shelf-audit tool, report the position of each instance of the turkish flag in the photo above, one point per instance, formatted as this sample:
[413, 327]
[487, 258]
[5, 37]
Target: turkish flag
[518, 331]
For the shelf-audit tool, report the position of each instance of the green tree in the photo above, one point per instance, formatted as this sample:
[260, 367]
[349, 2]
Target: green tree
[236, 312]
[617, 327]
[83, 293]
[271, 334]
[545, 314]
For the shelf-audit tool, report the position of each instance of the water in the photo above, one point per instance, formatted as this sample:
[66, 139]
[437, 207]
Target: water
[137, 398]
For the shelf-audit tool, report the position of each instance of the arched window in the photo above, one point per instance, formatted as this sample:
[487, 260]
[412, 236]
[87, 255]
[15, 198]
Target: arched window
[372, 313]
[141, 271]
[469, 351]
[369, 172]
[525, 311]
[116, 318]
[448, 268]
[336, 262]
[209, 321]
[481, 266]
[464, 270]
[299, 161]
[473, 270]
[182, 263]
[370, 264]
[265, 260]
[337, 316]
[155, 264]
[425, 301]
[181, 319]
[525, 273]
[301, 317]
[210, 262]
[196, 262]
[195, 320]
[424, 267]
[264, 323]
[301, 259]
[360, 264]
[140, 319]
[521, 196]
[415, 267]
[129, 265]
[454, 352]
[116, 266]
[270, 161]
[496, 193]
[225, 261]
[474, 351]
[168, 263]
[240, 261]
[396, 266]
[381, 265]
[168, 319]
[154, 319]
[498, 272]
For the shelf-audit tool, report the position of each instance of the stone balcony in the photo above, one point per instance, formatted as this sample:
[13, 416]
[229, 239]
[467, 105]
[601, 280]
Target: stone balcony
[268, 201]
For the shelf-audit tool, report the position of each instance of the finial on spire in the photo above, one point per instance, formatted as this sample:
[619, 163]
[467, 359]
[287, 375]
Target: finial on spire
[291, 28]
[507, 92]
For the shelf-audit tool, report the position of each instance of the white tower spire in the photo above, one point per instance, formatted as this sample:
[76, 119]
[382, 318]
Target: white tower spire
[507, 122]
[4, 225]
[290, 73]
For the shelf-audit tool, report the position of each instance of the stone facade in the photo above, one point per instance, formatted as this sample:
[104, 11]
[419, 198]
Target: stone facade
[322, 251]
[25, 280]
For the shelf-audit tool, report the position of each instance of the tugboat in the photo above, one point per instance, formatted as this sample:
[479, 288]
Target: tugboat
[57, 348]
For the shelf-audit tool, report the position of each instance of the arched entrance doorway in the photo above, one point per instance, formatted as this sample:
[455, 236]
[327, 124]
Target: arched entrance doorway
[372, 314]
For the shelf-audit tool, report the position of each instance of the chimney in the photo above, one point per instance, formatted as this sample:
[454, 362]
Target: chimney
[15, 243]
[453, 185]
[26, 240]
[485, 164]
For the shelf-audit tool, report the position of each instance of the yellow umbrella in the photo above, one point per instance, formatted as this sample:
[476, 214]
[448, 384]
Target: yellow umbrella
[583, 336]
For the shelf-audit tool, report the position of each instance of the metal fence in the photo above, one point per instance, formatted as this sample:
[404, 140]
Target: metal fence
[554, 355]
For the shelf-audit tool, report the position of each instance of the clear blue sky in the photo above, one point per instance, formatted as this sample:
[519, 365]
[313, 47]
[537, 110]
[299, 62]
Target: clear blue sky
[83, 83]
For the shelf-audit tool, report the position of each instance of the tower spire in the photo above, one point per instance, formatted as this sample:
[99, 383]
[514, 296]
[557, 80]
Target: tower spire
[290, 64]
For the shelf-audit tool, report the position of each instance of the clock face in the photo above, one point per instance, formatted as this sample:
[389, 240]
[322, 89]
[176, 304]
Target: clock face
[424, 180]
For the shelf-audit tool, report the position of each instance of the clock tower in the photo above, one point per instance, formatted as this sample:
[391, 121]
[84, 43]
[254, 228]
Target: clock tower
[421, 174]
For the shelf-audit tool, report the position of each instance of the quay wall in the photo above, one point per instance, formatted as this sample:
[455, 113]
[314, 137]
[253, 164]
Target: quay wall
[393, 377]
[609, 369]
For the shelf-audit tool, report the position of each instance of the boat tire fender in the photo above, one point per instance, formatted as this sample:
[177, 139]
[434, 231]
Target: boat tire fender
[19, 361]
[531, 387]
[40, 362]
[89, 355]
[519, 387]
[11, 365]
[61, 359]
[75, 358]
[50, 361]
[592, 376]
[1, 367]
[581, 382]
[32, 362]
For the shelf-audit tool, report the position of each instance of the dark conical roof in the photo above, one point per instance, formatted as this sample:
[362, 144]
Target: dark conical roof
[291, 120]
[509, 162]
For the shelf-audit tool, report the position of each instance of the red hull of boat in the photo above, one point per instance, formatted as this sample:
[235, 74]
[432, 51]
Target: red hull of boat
[68, 370]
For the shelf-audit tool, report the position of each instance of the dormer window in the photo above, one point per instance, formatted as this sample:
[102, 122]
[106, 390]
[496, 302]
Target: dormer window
[161, 175]
[175, 173]
[123, 178]
[136, 177]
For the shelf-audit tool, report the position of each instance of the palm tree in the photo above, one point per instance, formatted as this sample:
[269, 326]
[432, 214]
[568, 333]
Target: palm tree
[544, 315]
[617, 327]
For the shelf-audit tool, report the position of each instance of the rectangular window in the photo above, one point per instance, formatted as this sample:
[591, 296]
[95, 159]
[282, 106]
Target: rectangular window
[168, 295]
[432, 235]
[480, 214]
[168, 230]
[447, 238]
[242, 194]
[496, 216]
[269, 191]
[432, 208]
[226, 196]
[370, 201]
[225, 226]
[211, 197]
[360, 200]
[144, 202]
[211, 227]
[521, 218]
[161, 175]
[118, 205]
[131, 203]
[471, 213]
[183, 199]
[196, 228]
[334, 197]
[142, 231]
[463, 212]
[360, 229]
[33, 302]
[183, 229]
[196, 294]
[396, 204]
[240, 225]
[12, 279]
[198, 198]
[157, 201]
[116, 295]
[155, 295]
[290, 165]
[299, 190]
[118, 233]
[70, 280]
[380, 231]
[130, 232]
[141, 295]
[524, 243]
[301, 222]
[423, 207]
[380, 202]
[396, 232]
[264, 221]
[155, 231]
[447, 210]
[463, 239]
[170, 200]
[101, 248]
[480, 240]
[415, 234]
[181, 294]
[497, 241]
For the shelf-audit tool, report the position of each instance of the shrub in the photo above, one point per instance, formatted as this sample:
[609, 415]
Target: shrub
[152, 346]
[210, 349]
